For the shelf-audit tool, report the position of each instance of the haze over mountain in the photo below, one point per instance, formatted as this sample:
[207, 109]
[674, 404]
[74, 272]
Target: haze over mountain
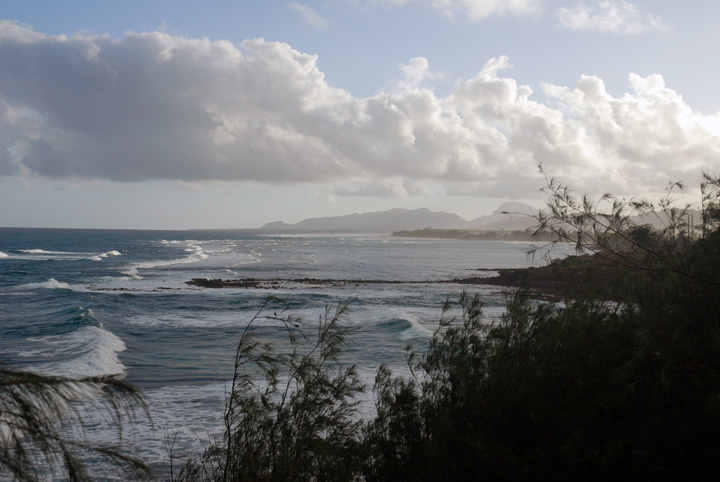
[408, 219]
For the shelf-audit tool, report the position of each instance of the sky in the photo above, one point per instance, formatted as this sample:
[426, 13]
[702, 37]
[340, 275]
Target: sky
[181, 114]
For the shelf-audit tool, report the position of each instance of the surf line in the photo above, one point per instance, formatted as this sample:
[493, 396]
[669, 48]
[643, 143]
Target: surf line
[283, 283]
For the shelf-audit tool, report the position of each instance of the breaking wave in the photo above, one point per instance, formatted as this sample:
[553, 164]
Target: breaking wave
[89, 351]
[196, 254]
[51, 284]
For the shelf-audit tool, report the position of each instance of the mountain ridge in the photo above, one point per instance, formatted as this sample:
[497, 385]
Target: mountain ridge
[397, 219]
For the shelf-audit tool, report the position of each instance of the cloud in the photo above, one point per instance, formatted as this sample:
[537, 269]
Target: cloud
[481, 9]
[611, 16]
[415, 73]
[310, 15]
[473, 10]
[390, 188]
[154, 106]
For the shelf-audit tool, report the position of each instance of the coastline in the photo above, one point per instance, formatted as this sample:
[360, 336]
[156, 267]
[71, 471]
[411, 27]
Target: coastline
[475, 234]
[571, 277]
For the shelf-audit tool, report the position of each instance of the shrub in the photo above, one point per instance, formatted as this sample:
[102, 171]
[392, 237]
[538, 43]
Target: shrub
[290, 414]
[591, 390]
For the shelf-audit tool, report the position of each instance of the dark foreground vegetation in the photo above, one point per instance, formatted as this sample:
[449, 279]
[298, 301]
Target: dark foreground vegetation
[617, 384]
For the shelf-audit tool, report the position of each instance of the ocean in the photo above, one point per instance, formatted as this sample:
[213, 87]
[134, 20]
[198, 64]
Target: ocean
[116, 302]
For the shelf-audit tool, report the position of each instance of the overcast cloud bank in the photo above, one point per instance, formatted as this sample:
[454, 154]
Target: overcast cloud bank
[157, 106]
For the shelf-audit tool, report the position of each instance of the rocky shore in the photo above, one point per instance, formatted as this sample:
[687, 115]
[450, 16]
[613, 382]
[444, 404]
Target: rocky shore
[275, 283]
[570, 277]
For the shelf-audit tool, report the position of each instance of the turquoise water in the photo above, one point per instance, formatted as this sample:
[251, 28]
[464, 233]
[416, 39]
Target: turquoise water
[100, 302]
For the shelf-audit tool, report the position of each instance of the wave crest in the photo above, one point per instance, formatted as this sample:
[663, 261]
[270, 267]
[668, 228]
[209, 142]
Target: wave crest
[51, 284]
[90, 351]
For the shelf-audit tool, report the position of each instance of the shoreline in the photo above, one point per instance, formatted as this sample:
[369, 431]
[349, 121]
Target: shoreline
[476, 234]
[571, 277]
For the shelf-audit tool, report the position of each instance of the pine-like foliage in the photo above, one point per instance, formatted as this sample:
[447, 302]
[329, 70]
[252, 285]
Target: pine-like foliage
[291, 411]
[587, 390]
[36, 414]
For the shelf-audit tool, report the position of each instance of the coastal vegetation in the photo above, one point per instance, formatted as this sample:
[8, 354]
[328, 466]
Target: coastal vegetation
[620, 381]
[42, 426]
[475, 234]
[290, 414]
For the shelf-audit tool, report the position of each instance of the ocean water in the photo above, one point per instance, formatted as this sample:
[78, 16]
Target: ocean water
[102, 302]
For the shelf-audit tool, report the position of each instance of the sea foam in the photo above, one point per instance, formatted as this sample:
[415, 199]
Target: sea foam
[197, 254]
[406, 328]
[96, 348]
[101, 256]
[51, 284]
[44, 254]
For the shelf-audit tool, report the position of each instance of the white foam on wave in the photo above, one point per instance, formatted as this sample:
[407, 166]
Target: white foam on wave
[253, 258]
[42, 251]
[96, 348]
[3, 255]
[101, 256]
[183, 319]
[44, 254]
[187, 417]
[191, 417]
[51, 284]
[131, 272]
[416, 329]
[197, 251]
[197, 254]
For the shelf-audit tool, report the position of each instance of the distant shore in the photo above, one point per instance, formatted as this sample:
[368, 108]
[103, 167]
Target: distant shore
[570, 277]
[475, 234]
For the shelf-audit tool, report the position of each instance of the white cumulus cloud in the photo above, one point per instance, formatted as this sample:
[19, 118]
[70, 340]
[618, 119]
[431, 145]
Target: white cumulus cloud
[611, 16]
[416, 72]
[154, 106]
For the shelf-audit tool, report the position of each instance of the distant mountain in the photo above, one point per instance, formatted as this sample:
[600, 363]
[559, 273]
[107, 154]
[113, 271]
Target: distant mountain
[277, 226]
[409, 219]
[386, 221]
[510, 216]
